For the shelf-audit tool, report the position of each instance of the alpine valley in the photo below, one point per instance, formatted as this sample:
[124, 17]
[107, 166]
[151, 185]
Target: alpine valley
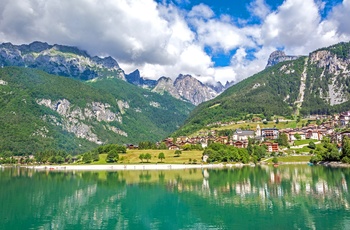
[59, 97]
[289, 86]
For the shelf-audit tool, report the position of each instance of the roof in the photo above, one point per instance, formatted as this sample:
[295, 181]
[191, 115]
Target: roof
[240, 132]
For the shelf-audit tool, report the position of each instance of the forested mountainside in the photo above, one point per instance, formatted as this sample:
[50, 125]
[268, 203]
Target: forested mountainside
[42, 111]
[313, 84]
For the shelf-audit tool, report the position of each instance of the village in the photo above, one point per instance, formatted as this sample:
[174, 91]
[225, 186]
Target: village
[333, 127]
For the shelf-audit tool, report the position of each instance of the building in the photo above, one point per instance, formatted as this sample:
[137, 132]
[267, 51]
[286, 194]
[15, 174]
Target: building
[269, 133]
[241, 135]
[271, 147]
[240, 144]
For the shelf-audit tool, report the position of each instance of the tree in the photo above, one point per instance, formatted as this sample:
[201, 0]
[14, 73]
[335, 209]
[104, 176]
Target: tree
[178, 153]
[312, 145]
[275, 160]
[87, 158]
[59, 159]
[112, 156]
[148, 156]
[141, 157]
[259, 152]
[69, 159]
[297, 136]
[187, 147]
[121, 149]
[161, 156]
[162, 146]
[282, 139]
[95, 156]
[346, 147]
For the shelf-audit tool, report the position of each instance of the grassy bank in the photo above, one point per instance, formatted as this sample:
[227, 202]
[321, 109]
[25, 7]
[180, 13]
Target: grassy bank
[286, 159]
[132, 157]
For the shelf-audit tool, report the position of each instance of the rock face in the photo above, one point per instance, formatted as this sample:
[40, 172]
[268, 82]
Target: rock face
[193, 90]
[335, 71]
[165, 84]
[59, 60]
[184, 87]
[188, 88]
[74, 118]
[136, 79]
[277, 57]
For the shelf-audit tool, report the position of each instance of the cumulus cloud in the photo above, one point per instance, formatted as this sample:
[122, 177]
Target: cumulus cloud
[162, 39]
[259, 8]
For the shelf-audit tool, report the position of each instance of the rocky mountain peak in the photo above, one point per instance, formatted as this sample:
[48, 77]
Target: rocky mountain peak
[165, 84]
[35, 47]
[136, 79]
[193, 90]
[60, 60]
[279, 56]
[108, 62]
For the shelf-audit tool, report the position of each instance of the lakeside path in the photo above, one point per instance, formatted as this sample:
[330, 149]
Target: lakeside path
[116, 167]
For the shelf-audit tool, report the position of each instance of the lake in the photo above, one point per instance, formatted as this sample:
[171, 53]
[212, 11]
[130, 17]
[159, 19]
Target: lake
[286, 197]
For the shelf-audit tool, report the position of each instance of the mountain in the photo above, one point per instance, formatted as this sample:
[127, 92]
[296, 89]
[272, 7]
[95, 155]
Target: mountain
[314, 84]
[185, 87]
[60, 60]
[279, 56]
[188, 88]
[72, 62]
[136, 79]
[42, 111]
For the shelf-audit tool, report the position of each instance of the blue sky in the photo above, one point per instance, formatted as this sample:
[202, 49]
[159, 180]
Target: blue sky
[222, 40]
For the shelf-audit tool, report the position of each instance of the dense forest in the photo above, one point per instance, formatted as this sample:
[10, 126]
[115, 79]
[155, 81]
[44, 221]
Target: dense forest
[28, 127]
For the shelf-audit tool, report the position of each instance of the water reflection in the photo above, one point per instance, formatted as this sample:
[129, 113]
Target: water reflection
[192, 198]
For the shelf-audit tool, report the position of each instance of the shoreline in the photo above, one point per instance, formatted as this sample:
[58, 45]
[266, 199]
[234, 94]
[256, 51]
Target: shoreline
[119, 167]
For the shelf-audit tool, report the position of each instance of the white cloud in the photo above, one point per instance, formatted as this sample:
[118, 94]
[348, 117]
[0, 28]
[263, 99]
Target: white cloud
[340, 17]
[160, 39]
[259, 8]
[201, 11]
[293, 24]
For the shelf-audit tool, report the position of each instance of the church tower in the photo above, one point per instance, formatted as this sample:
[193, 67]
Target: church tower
[258, 131]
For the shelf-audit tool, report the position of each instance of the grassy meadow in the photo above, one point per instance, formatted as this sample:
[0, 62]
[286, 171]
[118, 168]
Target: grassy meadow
[291, 159]
[132, 157]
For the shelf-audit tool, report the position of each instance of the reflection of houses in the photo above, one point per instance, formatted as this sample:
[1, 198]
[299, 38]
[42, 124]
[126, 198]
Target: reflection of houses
[241, 135]
[269, 133]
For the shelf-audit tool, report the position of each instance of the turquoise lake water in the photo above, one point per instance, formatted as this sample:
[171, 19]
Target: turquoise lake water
[286, 197]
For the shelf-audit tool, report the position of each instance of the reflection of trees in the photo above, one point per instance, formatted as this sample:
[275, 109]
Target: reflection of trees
[263, 186]
[137, 199]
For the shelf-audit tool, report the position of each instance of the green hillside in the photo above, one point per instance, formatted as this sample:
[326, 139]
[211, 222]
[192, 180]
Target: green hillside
[318, 84]
[142, 120]
[27, 125]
